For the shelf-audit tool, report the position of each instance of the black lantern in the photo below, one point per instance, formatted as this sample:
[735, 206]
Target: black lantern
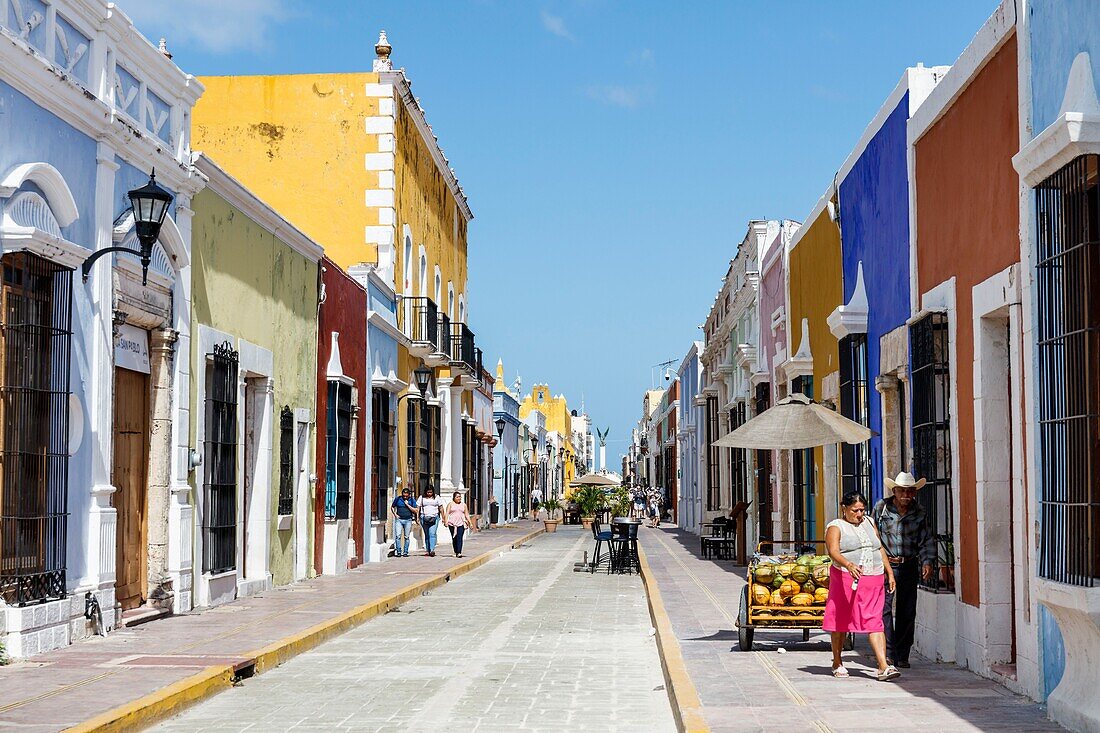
[534, 444]
[645, 445]
[423, 377]
[149, 205]
[561, 453]
[500, 427]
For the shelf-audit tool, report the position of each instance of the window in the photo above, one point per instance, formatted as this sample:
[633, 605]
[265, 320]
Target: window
[714, 498]
[382, 447]
[802, 478]
[764, 502]
[1067, 273]
[338, 430]
[35, 342]
[286, 461]
[220, 481]
[855, 460]
[932, 439]
[469, 465]
[738, 458]
[423, 454]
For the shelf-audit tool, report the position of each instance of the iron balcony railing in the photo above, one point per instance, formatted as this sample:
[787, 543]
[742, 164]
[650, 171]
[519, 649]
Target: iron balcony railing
[419, 320]
[480, 369]
[443, 343]
[462, 348]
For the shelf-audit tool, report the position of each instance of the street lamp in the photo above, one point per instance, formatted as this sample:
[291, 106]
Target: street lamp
[423, 377]
[500, 427]
[149, 205]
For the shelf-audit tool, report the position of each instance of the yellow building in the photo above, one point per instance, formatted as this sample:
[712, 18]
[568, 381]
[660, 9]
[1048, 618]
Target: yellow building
[815, 290]
[351, 160]
[559, 421]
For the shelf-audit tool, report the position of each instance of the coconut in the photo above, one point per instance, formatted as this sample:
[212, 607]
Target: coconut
[789, 588]
[821, 595]
[821, 575]
[804, 560]
[802, 599]
[761, 595]
[777, 599]
[785, 569]
[809, 587]
[764, 573]
[778, 581]
[800, 574]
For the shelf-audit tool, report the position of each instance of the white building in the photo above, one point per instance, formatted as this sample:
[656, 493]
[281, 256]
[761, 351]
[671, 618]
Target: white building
[689, 434]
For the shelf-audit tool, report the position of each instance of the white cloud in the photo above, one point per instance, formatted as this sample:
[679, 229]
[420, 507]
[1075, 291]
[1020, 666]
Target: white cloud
[556, 25]
[218, 26]
[616, 95]
[641, 58]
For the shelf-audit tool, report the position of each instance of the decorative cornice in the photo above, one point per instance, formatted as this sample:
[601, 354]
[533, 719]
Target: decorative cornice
[851, 318]
[802, 363]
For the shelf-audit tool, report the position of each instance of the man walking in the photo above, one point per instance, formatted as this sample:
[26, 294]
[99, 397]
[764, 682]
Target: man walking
[536, 501]
[903, 529]
[403, 510]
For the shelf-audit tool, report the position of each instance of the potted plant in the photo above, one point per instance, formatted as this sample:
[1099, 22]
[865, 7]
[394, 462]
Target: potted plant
[551, 522]
[619, 502]
[589, 499]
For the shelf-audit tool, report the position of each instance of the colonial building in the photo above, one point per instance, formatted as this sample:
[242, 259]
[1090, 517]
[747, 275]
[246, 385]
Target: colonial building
[346, 140]
[507, 467]
[559, 427]
[690, 449]
[253, 393]
[95, 448]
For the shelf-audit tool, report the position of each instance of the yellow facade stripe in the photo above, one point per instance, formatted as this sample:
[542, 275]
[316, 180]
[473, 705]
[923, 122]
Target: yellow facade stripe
[176, 697]
[686, 705]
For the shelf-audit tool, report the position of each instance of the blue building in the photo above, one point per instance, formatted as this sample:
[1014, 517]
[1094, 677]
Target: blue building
[87, 109]
[872, 210]
[1059, 166]
[508, 483]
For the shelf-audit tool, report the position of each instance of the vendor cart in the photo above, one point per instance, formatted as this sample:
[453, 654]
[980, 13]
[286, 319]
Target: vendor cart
[782, 611]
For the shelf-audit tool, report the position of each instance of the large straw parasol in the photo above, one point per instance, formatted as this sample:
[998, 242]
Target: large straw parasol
[594, 479]
[793, 423]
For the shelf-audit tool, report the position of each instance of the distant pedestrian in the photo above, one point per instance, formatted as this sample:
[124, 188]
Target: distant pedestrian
[404, 511]
[639, 504]
[430, 506]
[654, 510]
[458, 519]
[536, 501]
[856, 581]
[903, 527]
[494, 509]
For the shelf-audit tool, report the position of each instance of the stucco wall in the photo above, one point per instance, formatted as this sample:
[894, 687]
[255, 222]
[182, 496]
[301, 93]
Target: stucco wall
[967, 218]
[249, 283]
[874, 218]
[298, 142]
[1060, 29]
[815, 292]
[343, 312]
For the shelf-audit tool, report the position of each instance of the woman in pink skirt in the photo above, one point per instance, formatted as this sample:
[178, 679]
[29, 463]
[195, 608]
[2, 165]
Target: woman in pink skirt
[856, 587]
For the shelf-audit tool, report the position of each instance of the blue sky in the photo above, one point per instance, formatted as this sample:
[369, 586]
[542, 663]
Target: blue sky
[613, 152]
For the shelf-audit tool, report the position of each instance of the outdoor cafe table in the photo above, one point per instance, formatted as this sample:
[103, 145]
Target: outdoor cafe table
[620, 527]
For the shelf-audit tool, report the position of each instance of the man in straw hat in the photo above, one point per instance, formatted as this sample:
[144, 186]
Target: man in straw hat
[903, 529]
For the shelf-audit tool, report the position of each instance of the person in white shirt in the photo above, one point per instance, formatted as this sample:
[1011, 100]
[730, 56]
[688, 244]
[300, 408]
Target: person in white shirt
[430, 504]
[536, 500]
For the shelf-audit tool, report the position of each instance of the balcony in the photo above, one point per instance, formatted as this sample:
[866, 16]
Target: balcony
[420, 320]
[464, 355]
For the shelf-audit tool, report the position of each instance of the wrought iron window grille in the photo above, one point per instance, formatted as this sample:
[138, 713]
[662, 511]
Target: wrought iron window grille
[338, 429]
[855, 460]
[286, 461]
[1067, 294]
[35, 350]
[765, 500]
[714, 497]
[928, 340]
[220, 480]
[802, 478]
[382, 432]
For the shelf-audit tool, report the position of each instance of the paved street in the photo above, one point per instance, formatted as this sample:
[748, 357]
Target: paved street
[523, 643]
[765, 690]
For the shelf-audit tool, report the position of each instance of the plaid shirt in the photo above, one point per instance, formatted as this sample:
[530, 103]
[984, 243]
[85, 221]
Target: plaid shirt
[904, 535]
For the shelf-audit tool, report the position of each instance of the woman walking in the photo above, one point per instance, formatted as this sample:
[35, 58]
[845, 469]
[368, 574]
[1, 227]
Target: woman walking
[856, 584]
[430, 506]
[458, 519]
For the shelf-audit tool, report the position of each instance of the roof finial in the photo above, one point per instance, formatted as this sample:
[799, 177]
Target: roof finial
[163, 47]
[383, 48]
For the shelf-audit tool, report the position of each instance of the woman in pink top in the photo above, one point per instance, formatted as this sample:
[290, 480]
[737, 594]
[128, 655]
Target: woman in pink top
[458, 519]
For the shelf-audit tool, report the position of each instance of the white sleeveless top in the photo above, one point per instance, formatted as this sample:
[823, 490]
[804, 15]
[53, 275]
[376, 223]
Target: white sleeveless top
[860, 545]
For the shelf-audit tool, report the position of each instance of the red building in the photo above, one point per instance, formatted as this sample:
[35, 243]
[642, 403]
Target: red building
[342, 386]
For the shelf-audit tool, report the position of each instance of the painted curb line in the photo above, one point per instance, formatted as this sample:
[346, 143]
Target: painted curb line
[686, 706]
[178, 696]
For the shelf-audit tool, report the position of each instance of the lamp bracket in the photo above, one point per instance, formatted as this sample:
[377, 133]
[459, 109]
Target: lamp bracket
[87, 266]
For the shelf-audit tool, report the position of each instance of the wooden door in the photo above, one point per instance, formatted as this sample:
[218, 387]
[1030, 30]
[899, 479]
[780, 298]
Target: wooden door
[131, 458]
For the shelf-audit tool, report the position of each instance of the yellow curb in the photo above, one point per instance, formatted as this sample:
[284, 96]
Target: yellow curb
[686, 706]
[175, 698]
[161, 704]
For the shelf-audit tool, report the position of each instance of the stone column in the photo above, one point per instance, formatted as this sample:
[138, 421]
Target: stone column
[456, 436]
[162, 344]
[447, 482]
[887, 386]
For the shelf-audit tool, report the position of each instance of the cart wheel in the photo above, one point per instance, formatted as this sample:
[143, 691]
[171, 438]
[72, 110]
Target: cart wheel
[805, 634]
[744, 631]
[849, 642]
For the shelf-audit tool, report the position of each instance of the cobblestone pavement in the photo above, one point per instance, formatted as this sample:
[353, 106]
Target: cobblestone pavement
[764, 690]
[54, 691]
[523, 643]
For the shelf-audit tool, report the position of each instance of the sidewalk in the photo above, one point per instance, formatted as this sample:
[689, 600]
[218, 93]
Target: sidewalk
[199, 651]
[764, 690]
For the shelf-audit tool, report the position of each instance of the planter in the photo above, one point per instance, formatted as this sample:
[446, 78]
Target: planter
[551, 525]
[586, 522]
